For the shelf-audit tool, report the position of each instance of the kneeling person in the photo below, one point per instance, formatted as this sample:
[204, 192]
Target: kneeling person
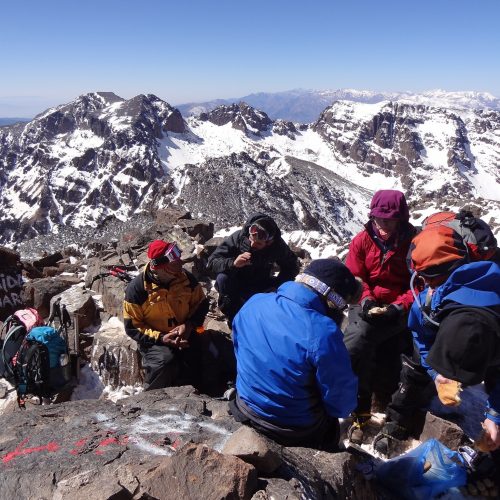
[455, 323]
[294, 377]
[162, 307]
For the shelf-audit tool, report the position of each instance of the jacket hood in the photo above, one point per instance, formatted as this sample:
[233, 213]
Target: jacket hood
[476, 284]
[389, 204]
[268, 224]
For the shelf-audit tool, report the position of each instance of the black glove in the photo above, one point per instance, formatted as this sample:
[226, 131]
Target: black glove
[367, 305]
[391, 314]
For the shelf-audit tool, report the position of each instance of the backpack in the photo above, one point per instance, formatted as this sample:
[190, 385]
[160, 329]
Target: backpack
[42, 364]
[16, 326]
[437, 250]
[476, 234]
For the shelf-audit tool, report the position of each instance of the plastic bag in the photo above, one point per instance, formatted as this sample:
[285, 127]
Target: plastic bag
[411, 478]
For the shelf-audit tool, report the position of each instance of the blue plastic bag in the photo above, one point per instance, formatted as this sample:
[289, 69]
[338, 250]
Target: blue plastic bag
[405, 475]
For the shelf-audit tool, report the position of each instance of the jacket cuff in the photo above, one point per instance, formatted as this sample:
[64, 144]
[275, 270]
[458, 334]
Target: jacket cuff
[491, 414]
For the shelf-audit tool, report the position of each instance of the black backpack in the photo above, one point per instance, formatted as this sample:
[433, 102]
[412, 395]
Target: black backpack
[16, 327]
[42, 364]
[32, 371]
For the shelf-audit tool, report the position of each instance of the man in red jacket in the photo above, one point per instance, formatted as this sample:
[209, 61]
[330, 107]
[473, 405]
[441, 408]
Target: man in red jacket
[377, 331]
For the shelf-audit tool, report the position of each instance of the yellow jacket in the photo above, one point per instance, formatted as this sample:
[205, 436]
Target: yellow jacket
[151, 309]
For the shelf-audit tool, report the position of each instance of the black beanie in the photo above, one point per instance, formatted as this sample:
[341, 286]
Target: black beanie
[335, 275]
[466, 344]
[267, 224]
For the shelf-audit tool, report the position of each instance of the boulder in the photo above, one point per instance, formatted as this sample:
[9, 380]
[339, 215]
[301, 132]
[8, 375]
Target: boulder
[9, 257]
[254, 448]
[115, 356]
[37, 293]
[326, 475]
[448, 433]
[79, 303]
[11, 296]
[280, 488]
[98, 449]
[196, 471]
[212, 244]
[48, 260]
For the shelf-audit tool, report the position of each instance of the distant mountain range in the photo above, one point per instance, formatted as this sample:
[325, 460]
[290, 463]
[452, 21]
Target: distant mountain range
[102, 158]
[10, 121]
[304, 106]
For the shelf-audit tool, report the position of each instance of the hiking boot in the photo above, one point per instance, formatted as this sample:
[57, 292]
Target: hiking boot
[390, 434]
[355, 431]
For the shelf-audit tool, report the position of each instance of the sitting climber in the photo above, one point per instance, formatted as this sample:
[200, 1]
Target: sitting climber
[294, 377]
[455, 323]
[163, 306]
[243, 263]
[377, 333]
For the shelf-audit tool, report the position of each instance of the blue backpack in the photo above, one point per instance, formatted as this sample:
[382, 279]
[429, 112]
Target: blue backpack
[42, 364]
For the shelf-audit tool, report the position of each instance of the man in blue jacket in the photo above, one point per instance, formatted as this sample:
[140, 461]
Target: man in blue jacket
[456, 328]
[294, 376]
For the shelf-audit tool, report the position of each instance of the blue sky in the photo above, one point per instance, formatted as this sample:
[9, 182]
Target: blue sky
[54, 50]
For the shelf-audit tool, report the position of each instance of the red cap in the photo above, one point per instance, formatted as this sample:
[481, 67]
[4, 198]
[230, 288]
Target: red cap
[157, 248]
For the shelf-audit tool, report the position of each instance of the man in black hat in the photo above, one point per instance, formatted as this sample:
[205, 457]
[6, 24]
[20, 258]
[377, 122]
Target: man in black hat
[455, 323]
[243, 263]
[294, 377]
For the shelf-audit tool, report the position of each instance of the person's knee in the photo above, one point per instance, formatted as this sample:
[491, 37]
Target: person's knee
[223, 283]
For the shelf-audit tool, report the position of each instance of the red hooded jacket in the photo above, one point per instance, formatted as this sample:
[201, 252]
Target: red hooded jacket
[384, 272]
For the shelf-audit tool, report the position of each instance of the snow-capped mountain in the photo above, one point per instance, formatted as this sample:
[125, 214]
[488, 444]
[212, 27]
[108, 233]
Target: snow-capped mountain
[304, 106]
[101, 156]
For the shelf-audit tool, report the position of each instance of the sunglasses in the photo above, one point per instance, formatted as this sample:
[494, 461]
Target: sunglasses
[257, 233]
[172, 254]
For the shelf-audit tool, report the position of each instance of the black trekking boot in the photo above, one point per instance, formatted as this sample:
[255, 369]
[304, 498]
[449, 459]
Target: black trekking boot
[390, 435]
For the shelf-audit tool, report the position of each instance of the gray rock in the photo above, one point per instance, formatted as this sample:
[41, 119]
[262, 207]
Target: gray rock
[48, 261]
[253, 448]
[37, 293]
[115, 356]
[326, 475]
[97, 449]
[281, 489]
[449, 434]
[78, 302]
[196, 471]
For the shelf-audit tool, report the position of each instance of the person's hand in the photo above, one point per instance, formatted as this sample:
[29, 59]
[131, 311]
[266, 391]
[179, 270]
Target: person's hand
[491, 436]
[441, 380]
[366, 306]
[392, 313]
[243, 260]
[182, 332]
[178, 336]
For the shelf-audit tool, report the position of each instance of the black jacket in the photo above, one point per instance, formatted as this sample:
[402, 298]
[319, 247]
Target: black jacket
[221, 261]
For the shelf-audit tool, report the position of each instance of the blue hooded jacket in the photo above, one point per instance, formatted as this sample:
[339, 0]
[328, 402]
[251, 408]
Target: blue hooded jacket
[292, 364]
[476, 284]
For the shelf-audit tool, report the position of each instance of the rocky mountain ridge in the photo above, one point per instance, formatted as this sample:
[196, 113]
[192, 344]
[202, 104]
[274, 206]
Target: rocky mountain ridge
[103, 158]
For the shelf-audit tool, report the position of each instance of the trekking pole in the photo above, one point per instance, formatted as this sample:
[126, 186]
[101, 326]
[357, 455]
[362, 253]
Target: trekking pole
[55, 311]
[76, 347]
[130, 254]
[65, 322]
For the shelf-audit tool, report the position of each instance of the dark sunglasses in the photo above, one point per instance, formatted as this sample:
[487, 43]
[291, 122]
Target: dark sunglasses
[259, 234]
[172, 254]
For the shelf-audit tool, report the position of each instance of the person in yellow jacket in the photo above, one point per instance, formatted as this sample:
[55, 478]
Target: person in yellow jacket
[163, 306]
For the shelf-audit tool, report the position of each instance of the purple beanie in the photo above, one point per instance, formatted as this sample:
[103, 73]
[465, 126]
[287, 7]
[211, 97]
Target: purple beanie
[389, 204]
